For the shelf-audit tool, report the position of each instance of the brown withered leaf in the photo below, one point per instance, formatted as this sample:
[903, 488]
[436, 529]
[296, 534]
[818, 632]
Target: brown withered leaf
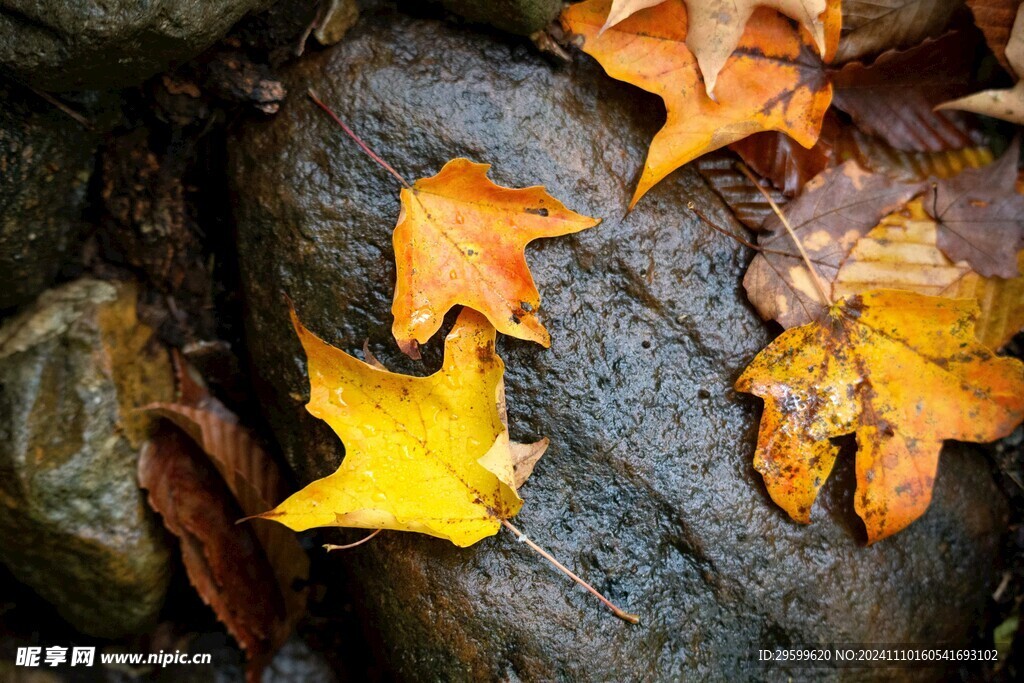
[871, 27]
[253, 478]
[878, 156]
[994, 18]
[224, 562]
[721, 173]
[981, 216]
[1007, 104]
[835, 210]
[783, 161]
[893, 97]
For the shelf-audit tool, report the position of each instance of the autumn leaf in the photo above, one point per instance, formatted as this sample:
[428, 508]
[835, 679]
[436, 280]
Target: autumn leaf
[460, 240]
[777, 157]
[1001, 104]
[717, 25]
[893, 97]
[772, 82]
[835, 210]
[994, 18]
[721, 173]
[252, 477]
[224, 562]
[425, 454]
[980, 216]
[874, 26]
[902, 252]
[902, 372]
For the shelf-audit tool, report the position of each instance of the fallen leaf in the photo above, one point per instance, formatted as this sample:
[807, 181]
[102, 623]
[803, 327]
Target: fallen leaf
[874, 26]
[224, 562]
[902, 372]
[722, 175]
[893, 97]
[981, 216]
[772, 82]
[902, 253]
[717, 25]
[779, 158]
[994, 18]
[425, 454]
[878, 156]
[254, 480]
[1007, 105]
[460, 240]
[835, 210]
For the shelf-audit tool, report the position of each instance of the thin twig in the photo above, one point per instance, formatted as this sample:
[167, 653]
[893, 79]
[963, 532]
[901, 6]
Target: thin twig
[329, 547]
[81, 120]
[625, 616]
[366, 148]
[818, 282]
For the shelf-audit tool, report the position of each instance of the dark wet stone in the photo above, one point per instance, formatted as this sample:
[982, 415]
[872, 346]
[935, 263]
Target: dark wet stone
[515, 16]
[648, 488]
[73, 524]
[45, 164]
[60, 45]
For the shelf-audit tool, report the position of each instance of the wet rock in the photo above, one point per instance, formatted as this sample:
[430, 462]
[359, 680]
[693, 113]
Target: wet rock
[74, 525]
[60, 45]
[45, 163]
[515, 16]
[647, 488]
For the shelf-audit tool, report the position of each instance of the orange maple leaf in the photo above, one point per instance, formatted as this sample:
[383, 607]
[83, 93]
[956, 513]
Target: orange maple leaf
[901, 371]
[460, 239]
[774, 81]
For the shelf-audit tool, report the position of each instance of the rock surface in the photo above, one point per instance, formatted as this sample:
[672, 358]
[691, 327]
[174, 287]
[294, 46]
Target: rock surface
[45, 163]
[515, 16]
[73, 524]
[647, 489]
[60, 45]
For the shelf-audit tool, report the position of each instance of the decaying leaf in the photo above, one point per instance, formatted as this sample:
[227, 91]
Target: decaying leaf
[1001, 104]
[224, 562]
[893, 97]
[836, 209]
[994, 18]
[460, 240]
[981, 216]
[722, 175]
[902, 372]
[772, 82]
[871, 27]
[902, 253]
[426, 454]
[777, 157]
[254, 480]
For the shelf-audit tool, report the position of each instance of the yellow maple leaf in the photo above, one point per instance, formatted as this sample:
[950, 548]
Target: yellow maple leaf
[425, 454]
[901, 371]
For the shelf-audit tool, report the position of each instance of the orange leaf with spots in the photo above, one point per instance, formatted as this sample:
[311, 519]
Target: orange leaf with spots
[460, 239]
[899, 370]
[774, 81]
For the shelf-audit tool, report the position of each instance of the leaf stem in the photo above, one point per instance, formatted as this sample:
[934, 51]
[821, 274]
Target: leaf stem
[818, 283]
[521, 537]
[329, 547]
[366, 148]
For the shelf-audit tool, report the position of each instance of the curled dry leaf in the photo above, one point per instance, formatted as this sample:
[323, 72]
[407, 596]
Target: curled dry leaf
[893, 97]
[902, 372]
[425, 454]
[254, 480]
[788, 165]
[1007, 105]
[224, 562]
[774, 81]
[871, 27]
[460, 240]
[836, 209]
[994, 18]
[980, 216]
[902, 253]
